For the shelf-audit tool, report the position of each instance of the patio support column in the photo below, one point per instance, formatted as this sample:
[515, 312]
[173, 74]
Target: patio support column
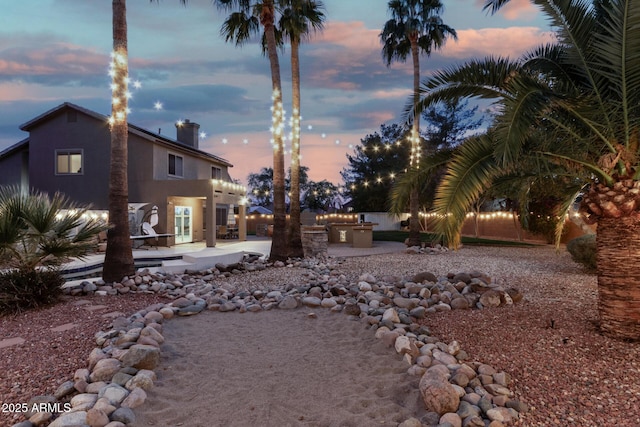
[210, 234]
[242, 222]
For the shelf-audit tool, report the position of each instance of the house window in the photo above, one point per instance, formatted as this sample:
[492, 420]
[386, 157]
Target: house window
[175, 165]
[221, 216]
[216, 173]
[68, 162]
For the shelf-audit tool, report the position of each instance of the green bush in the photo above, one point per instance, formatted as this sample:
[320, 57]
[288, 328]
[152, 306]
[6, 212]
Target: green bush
[583, 251]
[22, 290]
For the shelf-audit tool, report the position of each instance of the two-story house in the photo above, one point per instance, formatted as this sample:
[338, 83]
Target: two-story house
[68, 150]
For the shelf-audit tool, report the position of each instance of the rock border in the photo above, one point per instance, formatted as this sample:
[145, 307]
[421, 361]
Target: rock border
[456, 392]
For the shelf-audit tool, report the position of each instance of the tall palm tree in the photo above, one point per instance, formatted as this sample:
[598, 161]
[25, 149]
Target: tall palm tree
[415, 27]
[118, 260]
[246, 18]
[298, 19]
[584, 91]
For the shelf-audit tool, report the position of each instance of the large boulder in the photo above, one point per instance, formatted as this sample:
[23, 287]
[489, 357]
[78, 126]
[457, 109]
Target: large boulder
[142, 357]
[424, 276]
[439, 396]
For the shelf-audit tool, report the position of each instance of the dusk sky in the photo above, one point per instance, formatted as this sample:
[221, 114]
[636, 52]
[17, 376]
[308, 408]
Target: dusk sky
[52, 51]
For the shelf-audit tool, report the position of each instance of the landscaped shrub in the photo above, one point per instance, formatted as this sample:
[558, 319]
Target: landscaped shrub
[23, 290]
[38, 233]
[583, 251]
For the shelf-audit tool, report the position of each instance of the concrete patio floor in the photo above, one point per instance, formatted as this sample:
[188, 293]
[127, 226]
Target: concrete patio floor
[225, 250]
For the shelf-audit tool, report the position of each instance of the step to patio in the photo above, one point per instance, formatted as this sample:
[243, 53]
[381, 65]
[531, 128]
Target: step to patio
[177, 266]
[206, 259]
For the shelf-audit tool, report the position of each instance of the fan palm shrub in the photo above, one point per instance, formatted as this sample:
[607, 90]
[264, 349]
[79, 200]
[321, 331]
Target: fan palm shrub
[38, 234]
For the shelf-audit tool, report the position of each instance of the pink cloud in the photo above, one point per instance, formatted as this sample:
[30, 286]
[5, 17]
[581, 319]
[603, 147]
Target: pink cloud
[512, 42]
[516, 9]
[52, 58]
[353, 35]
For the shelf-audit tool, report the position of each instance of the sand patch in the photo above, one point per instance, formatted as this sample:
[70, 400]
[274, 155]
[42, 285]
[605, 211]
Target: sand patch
[277, 368]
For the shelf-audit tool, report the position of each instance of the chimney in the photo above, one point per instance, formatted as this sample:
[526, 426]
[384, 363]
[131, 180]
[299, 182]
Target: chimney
[187, 133]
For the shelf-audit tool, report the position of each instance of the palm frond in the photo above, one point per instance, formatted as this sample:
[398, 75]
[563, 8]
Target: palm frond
[617, 59]
[240, 27]
[469, 173]
[416, 177]
[483, 79]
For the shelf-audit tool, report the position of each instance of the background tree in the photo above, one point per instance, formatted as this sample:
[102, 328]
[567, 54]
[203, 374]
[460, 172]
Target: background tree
[261, 185]
[118, 259]
[415, 27]
[321, 196]
[298, 20]
[382, 157]
[449, 123]
[244, 22]
[583, 90]
[378, 160]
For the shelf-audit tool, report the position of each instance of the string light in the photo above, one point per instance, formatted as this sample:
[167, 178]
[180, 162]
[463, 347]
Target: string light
[416, 149]
[119, 72]
[277, 121]
[218, 183]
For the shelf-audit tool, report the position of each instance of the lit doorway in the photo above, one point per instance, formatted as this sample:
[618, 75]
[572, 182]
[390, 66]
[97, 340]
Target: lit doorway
[183, 225]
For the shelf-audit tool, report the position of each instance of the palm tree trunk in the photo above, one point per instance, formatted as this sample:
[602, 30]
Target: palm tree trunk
[618, 258]
[279, 239]
[118, 260]
[414, 195]
[294, 235]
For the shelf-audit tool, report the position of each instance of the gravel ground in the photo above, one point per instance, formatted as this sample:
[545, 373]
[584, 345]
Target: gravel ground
[563, 368]
[567, 372]
[47, 359]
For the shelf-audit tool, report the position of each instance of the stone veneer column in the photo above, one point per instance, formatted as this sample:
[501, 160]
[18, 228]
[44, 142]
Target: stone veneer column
[315, 241]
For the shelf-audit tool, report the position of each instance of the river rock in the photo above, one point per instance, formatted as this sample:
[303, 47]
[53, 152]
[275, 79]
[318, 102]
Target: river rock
[70, 419]
[424, 276]
[105, 369]
[124, 415]
[153, 334]
[391, 315]
[143, 379]
[83, 401]
[113, 393]
[142, 357]
[452, 419]
[136, 398]
[439, 396]
[97, 418]
[288, 303]
[491, 298]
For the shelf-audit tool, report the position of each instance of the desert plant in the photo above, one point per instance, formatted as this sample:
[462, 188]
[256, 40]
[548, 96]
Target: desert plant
[583, 251]
[38, 234]
[41, 231]
[23, 290]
